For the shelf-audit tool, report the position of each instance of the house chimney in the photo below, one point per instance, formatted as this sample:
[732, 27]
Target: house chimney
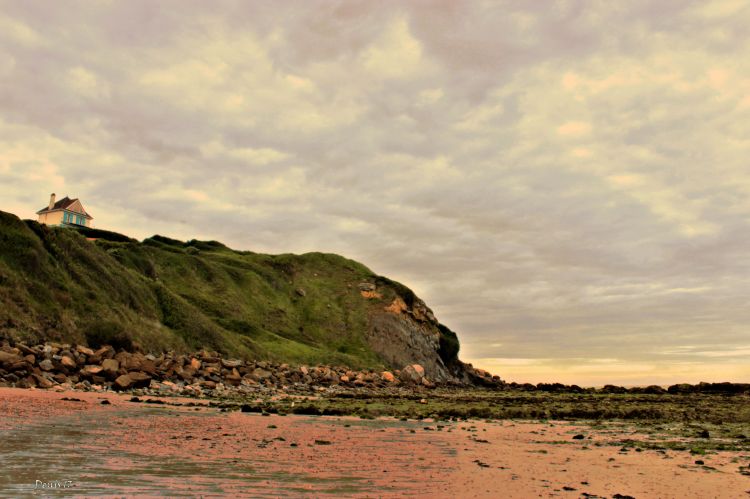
[51, 201]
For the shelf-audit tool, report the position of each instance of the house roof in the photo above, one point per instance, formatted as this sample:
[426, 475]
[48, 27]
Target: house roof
[63, 204]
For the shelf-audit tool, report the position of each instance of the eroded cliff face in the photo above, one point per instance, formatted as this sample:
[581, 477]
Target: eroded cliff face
[404, 333]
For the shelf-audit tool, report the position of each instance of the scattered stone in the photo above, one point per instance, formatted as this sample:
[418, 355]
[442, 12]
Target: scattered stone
[106, 402]
[578, 437]
[201, 374]
[322, 442]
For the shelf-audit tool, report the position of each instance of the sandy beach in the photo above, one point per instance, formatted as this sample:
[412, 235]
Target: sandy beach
[82, 446]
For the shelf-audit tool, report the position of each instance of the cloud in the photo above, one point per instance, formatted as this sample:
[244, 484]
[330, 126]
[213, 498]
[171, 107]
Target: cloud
[558, 183]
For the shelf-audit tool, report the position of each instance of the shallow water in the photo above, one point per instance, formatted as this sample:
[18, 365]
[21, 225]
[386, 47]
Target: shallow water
[76, 448]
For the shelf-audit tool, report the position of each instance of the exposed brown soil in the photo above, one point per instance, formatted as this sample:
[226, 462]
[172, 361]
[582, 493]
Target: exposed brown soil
[128, 448]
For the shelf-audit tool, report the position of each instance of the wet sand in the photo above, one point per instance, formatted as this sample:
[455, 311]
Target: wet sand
[145, 450]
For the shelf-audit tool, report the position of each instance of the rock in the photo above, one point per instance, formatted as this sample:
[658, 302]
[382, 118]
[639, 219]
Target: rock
[578, 437]
[9, 358]
[304, 370]
[195, 364]
[25, 349]
[233, 378]
[186, 374]
[42, 382]
[105, 352]
[388, 376]
[412, 373]
[90, 370]
[132, 380]
[300, 292]
[46, 365]
[230, 363]
[110, 367]
[67, 362]
[261, 374]
[84, 350]
[140, 380]
[147, 366]
[366, 286]
[613, 389]
[654, 389]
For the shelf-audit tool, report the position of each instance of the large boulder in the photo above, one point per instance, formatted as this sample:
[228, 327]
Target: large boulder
[110, 367]
[132, 380]
[412, 373]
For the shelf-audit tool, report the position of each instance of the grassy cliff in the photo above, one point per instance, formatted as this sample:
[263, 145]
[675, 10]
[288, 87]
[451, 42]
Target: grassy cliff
[57, 284]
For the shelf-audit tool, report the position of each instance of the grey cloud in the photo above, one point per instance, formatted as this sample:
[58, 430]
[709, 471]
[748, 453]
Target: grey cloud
[448, 168]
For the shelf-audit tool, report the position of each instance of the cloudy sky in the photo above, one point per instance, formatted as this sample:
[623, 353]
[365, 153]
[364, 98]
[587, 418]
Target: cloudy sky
[565, 183]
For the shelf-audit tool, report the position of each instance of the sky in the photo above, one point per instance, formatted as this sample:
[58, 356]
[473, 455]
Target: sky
[565, 183]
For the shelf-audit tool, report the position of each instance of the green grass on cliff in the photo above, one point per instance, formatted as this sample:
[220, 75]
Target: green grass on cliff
[167, 294]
